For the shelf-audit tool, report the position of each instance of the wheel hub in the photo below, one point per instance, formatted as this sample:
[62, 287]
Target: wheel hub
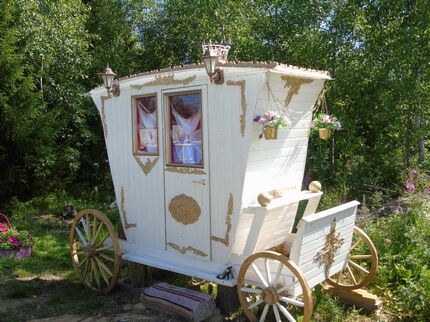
[90, 251]
[270, 295]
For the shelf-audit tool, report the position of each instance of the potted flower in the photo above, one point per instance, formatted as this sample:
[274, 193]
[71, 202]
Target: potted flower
[271, 122]
[325, 124]
[14, 243]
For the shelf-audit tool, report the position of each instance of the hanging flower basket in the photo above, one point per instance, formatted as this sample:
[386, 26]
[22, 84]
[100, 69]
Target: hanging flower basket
[325, 133]
[271, 122]
[271, 133]
[325, 124]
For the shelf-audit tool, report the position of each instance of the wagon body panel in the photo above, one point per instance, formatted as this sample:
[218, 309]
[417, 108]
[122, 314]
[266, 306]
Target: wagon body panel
[237, 166]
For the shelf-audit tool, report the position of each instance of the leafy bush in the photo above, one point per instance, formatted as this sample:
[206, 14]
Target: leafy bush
[403, 243]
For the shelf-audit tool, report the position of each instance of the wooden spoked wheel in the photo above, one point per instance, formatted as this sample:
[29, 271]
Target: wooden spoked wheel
[362, 263]
[95, 250]
[263, 285]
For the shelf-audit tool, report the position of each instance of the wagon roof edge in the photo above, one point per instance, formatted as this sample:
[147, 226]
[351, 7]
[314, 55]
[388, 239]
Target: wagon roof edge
[270, 66]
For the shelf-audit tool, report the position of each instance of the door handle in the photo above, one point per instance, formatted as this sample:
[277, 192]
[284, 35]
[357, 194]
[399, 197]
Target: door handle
[202, 182]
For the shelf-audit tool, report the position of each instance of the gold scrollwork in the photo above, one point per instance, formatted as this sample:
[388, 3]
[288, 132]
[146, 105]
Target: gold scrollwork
[241, 84]
[226, 238]
[294, 84]
[166, 80]
[147, 166]
[332, 243]
[184, 170]
[184, 209]
[124, 213]
[183, 250]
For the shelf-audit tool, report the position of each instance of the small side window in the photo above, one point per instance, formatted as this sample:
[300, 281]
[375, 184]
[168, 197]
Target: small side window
[145, 125]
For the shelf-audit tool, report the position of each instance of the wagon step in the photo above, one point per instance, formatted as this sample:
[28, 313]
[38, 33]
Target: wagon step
[360, 297]
[188, 304]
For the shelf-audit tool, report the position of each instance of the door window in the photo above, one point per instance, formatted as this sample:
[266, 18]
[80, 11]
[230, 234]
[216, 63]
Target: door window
[185, 127]
[145, 124]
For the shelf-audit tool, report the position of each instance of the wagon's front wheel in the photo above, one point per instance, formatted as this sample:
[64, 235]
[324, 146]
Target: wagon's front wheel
[266, 285]
[361, 266]
[95, 250]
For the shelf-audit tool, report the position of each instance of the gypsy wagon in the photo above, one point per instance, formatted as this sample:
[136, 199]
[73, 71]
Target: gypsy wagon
[202, 194]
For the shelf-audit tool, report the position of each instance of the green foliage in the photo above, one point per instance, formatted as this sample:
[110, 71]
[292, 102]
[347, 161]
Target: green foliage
[403, 244]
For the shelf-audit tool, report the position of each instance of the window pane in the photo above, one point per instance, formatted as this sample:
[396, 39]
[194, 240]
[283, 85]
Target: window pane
[186, 129]
[146, 115]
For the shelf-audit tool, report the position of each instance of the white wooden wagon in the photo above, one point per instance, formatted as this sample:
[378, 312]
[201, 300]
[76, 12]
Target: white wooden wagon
[188, 166]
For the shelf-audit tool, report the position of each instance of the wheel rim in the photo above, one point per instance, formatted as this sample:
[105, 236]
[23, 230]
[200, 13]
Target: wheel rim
[263, 290]
[95, 250]
[361, 266]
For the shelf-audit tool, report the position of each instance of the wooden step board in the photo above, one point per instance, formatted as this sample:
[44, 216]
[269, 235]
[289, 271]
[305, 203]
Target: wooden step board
[188, 304]
[360, 297]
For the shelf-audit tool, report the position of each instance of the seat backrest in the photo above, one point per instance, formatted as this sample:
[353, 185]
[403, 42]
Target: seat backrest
[322, 242]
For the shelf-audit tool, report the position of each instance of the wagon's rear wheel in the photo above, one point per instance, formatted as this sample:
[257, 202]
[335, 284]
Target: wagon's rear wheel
[264, 284]
[95, 250]
[361, 266]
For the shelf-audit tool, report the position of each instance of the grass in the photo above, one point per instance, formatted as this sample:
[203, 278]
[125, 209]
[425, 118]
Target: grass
[46, 285]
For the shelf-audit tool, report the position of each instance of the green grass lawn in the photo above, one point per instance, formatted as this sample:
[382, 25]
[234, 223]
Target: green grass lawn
[45, 285]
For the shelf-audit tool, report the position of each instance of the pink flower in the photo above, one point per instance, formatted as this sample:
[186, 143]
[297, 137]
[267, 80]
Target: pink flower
[12, 240]
[4, 228]
[262, 120]
[410, 186]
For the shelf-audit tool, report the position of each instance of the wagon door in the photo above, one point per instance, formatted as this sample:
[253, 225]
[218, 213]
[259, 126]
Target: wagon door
[186, 173]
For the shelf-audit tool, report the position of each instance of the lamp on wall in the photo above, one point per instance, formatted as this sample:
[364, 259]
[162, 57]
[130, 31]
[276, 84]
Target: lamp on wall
[213, 54]
[108, 80]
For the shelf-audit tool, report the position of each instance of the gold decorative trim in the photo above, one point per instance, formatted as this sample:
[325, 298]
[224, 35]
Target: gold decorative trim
[184, 209]
[166, 80]
[332, 243]
[103, 115]
[226, 238]
[183, 250]
[124, 213]
[294, 84]
[241, 84]
[147, 166]
[185, 170]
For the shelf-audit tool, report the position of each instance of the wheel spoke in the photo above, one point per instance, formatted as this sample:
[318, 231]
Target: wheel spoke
[101, 270]
[360, 257]
[103, 266]
[102, 241]
[96, 276]
[81, 236]
[276, 311]
[282, 289]
[83, 261]
[257, 303]
[98, 232]
[251, 290]
[267, 266]
[94, 225]
[285, 312]
[103, 248]
[84, 274]
[108, 258]
[264, 314]
[355, 245]
[352, 275]
[88, 228]
[260, 276]
[358, 266]
[278, 273]
[292, 301]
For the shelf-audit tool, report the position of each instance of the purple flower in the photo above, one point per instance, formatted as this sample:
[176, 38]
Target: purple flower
[427, 191]
[399, 209]
[414, 172]
[410, 186]
[12, 240]
[257, 118]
